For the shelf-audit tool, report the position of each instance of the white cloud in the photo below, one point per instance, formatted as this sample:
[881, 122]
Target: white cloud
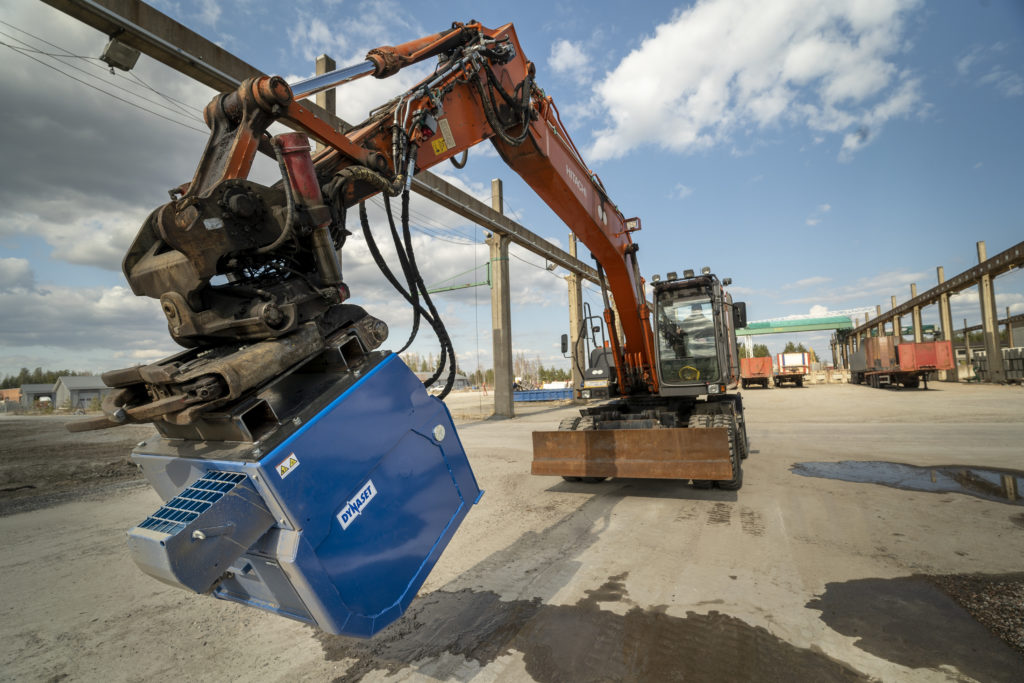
[681, 191]
[808, 282]
[209, 12]
[567, 57]
[817, 215]
[726, 65]
[15, 274]
[1007, 81]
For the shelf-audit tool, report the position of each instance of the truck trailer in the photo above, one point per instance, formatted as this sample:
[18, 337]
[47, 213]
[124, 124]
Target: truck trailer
[791, 367]
[881, 362]
[755, 371]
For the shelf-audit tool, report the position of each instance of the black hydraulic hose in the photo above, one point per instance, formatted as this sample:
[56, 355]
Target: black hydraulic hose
[447, 351]
[523, 107]
[289, 222]
[403, 260]
[439, 329]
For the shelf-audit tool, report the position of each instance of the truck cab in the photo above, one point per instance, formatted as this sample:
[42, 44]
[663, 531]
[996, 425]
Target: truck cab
[695, 322]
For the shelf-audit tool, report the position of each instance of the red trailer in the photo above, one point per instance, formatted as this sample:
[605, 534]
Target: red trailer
[882, 363]
[755, 371]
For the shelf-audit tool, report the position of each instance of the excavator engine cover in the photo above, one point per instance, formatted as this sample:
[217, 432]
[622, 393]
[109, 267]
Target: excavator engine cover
[336, 519]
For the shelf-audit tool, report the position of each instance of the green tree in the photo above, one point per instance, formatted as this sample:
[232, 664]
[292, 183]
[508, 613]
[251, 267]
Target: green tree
[794, 348]
[761, 351]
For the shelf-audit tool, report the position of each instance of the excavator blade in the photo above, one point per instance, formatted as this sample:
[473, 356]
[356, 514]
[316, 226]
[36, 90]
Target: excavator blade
[642, 453]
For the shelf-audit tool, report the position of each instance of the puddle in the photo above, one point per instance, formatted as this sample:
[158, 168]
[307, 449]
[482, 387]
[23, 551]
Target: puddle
[910, 621]
[1001, 486]
[580, 642]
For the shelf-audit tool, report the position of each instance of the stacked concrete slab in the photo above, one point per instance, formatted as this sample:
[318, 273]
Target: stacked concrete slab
[1013, 364]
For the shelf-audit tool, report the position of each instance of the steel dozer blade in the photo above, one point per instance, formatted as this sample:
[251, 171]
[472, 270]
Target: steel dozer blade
[333, 513]
[641, 453]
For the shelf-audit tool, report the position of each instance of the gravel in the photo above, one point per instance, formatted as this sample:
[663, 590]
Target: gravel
[997, 602]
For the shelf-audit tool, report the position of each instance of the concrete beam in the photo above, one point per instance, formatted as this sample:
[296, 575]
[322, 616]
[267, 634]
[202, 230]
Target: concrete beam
[997, 265]
[501, 314]
[1009, 329]
[946, 322]
[897, 323]
[328, 99]
[993, 350]
[447, 195]
[916, 313]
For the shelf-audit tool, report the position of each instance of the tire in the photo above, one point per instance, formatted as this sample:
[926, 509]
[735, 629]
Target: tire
[593, 480]
[697, 421]
[729, 422]
[799, 381]
[573, 479]
[568, 424]
[911, 383]
[741, 433]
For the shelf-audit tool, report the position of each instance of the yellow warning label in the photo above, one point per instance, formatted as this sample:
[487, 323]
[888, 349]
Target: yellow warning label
[286, 466]
[439, 146]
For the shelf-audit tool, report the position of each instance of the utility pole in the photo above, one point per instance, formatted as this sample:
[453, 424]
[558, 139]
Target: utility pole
[501, 312]
[576, 346]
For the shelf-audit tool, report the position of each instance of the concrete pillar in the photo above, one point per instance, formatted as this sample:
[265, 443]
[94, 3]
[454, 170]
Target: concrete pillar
[501, 313]
[946, 322]
[1009, 329]
[917, 315]
[897, 322]
[881, 321]
[327, 99]
[989, 324]
[967, 344]
[748, 343]
[577, 348]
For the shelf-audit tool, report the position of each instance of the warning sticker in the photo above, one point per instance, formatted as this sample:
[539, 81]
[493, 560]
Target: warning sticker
[288, 465]
[439, 146]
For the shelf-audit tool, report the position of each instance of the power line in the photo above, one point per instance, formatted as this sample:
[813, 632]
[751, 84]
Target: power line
[106, 92]
[27, 50]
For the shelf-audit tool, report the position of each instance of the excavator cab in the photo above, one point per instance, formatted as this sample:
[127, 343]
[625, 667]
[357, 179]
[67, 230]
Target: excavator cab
[696, 323]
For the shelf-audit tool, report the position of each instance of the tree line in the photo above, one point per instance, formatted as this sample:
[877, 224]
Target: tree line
[38, 376]
[531, 372]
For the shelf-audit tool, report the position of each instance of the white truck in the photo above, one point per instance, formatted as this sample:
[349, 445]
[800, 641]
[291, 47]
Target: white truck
[791, 367]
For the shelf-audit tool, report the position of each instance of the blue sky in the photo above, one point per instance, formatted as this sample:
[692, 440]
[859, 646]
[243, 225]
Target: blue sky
[824, 155]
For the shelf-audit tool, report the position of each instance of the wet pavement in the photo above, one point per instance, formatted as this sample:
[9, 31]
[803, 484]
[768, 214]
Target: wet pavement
[998, 485]
[911, 621]
[584, 642]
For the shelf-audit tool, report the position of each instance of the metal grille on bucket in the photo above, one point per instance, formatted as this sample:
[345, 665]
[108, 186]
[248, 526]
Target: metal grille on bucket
[178, 512]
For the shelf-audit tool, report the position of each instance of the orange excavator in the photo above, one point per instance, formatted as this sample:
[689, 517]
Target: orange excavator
[302, 469]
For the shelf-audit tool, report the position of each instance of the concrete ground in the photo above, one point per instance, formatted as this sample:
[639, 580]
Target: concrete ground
[790, 578]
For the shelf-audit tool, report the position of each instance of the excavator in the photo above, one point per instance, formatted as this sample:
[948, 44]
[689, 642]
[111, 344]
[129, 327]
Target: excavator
[303, 469]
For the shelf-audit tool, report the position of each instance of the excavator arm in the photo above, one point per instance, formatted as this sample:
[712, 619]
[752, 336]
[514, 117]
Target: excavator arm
[233, 262]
